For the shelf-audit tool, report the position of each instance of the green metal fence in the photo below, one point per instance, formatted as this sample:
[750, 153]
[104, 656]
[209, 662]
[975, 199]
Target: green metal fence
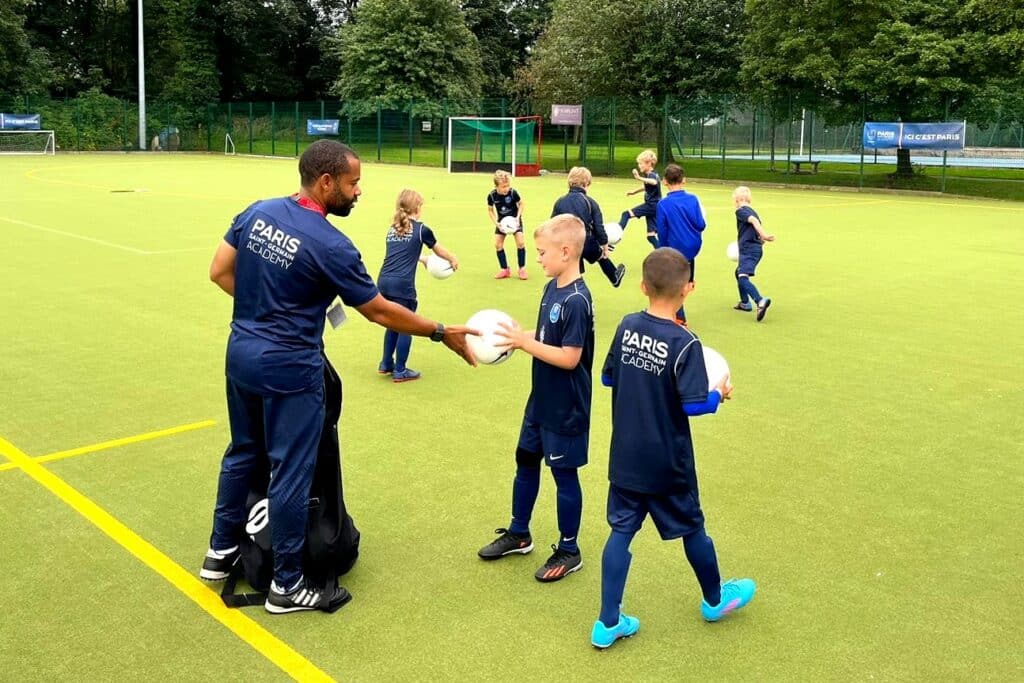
[715, 137]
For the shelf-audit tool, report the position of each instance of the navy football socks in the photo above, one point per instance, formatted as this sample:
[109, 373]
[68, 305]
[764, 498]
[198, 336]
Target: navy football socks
[570, 506]
[524, 495]
[614, 569]
[700, 552]
[624, 219]
[502, 260]
[653, 239]
[521, 257]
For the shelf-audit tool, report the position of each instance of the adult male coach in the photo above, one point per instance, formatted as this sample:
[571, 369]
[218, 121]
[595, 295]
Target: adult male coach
[284, 263]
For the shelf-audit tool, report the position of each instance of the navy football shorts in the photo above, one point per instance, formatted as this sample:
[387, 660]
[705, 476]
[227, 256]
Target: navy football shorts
[648, 211]
[675, 515]
[559, 450]
[748, 262]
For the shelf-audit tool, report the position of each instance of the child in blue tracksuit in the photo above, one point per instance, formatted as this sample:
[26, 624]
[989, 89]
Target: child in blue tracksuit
[656, 370]
[397, 280]
[680, 221]
[750, 235]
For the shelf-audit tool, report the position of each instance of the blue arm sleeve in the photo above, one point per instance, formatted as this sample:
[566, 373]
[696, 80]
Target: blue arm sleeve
[606, 380]
[708, 406]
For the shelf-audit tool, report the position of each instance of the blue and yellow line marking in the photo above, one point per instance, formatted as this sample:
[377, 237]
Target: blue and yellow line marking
[264, 642]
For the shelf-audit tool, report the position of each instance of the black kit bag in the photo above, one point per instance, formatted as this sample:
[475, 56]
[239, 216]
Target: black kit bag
[332, 540]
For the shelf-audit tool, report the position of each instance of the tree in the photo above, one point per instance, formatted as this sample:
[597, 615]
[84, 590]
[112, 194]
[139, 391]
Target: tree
[397, 51]
[24, 69]
[907, 60]
[506, 31]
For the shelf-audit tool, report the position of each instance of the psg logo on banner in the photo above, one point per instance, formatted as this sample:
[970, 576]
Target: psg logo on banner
[915, 135]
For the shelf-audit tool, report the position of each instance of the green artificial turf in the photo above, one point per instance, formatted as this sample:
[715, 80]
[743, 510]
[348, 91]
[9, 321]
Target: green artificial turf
[867, 474]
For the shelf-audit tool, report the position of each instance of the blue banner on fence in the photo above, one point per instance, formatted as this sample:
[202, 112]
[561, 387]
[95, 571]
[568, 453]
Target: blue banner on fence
[321, 126]
[915, 135]
[19, 121]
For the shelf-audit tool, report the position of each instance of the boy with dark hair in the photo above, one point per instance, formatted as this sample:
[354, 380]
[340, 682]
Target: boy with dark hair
[656, 370]
[680, 221]
[556, 425]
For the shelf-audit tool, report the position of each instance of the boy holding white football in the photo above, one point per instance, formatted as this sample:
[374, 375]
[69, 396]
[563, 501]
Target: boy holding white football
[405, 239]
[656, 370]
[504, 202]
[556, 424]
[750, 235]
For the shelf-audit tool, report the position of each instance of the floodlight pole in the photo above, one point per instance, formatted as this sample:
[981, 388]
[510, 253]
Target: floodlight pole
[142, 86]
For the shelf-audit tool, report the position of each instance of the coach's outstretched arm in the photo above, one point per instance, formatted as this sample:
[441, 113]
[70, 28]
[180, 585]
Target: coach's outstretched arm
[400, 319]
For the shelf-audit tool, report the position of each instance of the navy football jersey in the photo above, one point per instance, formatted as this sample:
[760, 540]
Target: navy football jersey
[746, 234]
[504, 204]
[290, 264]
[560, 399]
[398, 272]
[652, 193]
[655, 366]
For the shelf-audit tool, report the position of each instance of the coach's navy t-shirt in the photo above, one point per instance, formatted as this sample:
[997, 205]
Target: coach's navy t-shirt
[504, 204]
[291, 263]
[398, 273]
[655, 366]
[746, 234]
[652, 193]
[560, 399]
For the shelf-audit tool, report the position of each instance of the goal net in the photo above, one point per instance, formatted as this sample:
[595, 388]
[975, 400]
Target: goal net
[487, 144]
[27, 142]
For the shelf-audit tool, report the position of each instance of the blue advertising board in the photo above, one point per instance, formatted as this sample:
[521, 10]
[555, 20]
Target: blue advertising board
[19, 122]
[915, 135]
[321, 126]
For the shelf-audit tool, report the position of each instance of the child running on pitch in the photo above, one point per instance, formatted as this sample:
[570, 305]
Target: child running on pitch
[577, 203]
[503, 202]
[680, 220]
[556, 424]
[397, 280]
[750, 235]
[656, 370]
[650, 185]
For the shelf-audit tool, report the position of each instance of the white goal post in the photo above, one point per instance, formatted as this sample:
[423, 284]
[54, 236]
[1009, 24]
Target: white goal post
[229, 144]
[484, 144]
[27, 142]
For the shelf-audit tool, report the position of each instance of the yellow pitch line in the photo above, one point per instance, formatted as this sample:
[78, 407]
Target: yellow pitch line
[261, 640]
[60, 455]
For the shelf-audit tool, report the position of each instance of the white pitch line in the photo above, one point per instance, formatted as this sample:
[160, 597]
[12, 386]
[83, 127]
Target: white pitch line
[72, 235]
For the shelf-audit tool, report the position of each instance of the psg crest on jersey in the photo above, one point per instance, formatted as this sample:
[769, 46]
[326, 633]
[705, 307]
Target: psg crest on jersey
[556, 310]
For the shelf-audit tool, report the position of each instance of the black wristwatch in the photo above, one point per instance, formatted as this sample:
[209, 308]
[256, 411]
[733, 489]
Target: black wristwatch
[438, 334]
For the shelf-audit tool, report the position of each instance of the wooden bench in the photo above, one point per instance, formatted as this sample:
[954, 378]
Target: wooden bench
[795, 164]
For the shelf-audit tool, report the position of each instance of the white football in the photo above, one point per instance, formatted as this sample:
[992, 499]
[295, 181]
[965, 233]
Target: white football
[508, 225]
[715, 366]
[733, 251]
[614, 232]
[439, 267]
[487, 347]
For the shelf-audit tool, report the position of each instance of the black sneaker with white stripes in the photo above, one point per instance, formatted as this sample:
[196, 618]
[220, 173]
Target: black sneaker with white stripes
[217, 566]
[306, 597]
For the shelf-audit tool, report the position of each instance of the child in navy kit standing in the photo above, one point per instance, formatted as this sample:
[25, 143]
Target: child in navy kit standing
[656, 370]
[503, 201]
[556, 424]
[750, 235]
[397, 280]
[651, 187]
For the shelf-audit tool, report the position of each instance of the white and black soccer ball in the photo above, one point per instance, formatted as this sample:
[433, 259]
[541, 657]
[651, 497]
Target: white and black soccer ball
[488, 348]
[508, 225]
[439, 267]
